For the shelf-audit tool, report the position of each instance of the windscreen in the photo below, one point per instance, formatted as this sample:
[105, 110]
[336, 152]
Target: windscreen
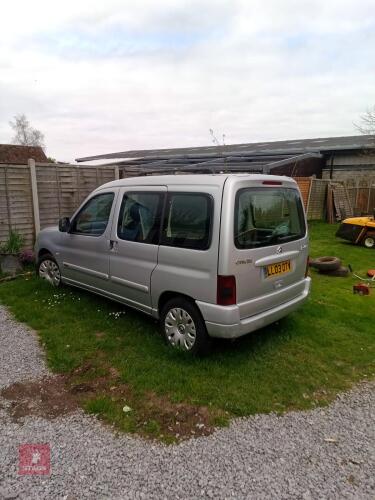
[267, 216]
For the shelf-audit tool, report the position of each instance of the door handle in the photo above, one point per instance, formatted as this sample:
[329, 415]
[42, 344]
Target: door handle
[113, 245]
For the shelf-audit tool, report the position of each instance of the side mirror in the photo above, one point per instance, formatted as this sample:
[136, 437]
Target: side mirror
[64, 224]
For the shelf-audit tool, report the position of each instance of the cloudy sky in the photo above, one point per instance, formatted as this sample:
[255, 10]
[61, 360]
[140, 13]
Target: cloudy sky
[101, 76]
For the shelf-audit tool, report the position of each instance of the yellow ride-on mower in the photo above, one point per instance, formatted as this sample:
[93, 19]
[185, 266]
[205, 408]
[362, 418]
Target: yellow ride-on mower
[359, 230]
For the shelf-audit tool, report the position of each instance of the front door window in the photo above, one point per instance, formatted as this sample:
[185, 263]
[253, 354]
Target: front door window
[93, 218]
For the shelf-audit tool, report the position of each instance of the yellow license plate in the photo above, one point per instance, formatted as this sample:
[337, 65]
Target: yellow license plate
[279, 268]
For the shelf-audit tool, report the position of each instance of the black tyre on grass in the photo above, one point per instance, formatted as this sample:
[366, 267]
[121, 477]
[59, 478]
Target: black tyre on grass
[183, 327]
[326, 263]
[341, 272]
[48, 269]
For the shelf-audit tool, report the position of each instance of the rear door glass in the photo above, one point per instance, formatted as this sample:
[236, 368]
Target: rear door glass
[187, 222]
[268, 216]
[139, 217]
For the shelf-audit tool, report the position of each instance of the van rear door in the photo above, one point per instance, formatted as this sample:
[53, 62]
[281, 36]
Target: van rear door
[268, 245]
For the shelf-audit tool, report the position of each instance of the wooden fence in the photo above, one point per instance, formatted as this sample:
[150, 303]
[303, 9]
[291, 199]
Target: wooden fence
[314, 194]
[35, 196]
[362, 196]
[316, 204]
[358, 197]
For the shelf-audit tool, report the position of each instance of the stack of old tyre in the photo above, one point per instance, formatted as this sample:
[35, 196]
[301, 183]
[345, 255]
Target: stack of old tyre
[331, 266]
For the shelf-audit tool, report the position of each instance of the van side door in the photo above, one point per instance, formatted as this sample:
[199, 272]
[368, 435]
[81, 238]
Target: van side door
[84, 249]
[135, 243]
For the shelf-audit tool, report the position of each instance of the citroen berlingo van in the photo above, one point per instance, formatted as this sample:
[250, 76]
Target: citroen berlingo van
[216, 255]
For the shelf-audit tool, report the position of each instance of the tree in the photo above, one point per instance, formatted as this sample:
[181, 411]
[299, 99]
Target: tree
[25, 134]
[367, 124]
[215, 140]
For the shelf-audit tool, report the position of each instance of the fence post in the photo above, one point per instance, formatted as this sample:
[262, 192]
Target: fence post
[309, 198]
[117, 173]
[34, 195]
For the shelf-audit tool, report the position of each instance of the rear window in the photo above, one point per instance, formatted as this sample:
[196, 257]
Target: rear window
[267, 216]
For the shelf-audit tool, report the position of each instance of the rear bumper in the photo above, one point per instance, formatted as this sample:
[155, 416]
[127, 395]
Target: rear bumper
[228, 329]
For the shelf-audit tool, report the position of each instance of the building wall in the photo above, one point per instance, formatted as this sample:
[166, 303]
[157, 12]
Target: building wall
[351, 167]
[351, 175]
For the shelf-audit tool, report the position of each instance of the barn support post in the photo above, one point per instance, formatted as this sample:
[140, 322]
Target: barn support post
[331, 167]
[356, 194]
[369, 197]
[34, 196]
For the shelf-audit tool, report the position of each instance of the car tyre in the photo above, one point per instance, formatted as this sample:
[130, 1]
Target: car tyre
[48, 269]
[324, 264]
[183, 327]
[341, 272]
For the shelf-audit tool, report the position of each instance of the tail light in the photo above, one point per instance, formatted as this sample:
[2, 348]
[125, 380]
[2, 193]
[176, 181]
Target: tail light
[226, 290]
[307, 267]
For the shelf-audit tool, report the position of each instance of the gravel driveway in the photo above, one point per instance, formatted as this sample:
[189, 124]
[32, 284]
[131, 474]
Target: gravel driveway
[324, 453]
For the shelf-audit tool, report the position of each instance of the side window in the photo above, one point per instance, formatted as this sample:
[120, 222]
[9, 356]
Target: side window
[93, 218]
[187, 221]
[139, 217]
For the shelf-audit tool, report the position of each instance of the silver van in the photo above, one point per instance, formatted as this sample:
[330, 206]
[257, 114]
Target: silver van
[208, 255]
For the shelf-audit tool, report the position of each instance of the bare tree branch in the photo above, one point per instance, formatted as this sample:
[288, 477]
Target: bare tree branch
[25, 134]
[367, 123]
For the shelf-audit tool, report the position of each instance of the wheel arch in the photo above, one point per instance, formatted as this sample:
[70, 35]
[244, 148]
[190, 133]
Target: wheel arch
[43, 251]
[170, 294]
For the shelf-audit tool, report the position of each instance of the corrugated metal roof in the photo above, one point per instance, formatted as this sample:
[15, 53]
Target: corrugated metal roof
[290, 147]
[260, 164]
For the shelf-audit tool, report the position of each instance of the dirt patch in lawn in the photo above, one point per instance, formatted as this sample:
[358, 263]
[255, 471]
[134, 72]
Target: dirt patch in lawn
[47, 398]
[177, 420]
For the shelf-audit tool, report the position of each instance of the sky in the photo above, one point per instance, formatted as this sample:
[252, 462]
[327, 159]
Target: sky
[103, 76]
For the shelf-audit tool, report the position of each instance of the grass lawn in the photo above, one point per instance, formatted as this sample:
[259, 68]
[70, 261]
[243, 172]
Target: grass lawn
[117, 358]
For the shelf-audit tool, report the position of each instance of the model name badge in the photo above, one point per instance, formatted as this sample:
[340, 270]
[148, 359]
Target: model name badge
[244, 261]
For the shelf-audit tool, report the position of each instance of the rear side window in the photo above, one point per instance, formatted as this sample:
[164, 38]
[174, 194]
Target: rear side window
[139, 217]
[187, 222]
[267, 216]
